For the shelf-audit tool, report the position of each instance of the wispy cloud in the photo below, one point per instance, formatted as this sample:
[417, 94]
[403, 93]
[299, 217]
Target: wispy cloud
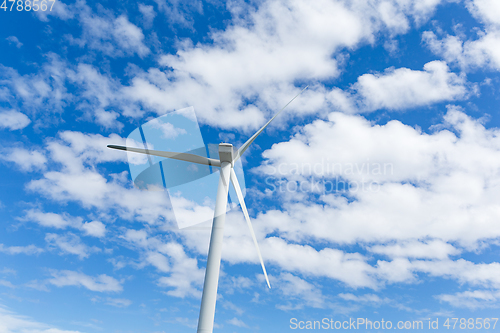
[30, 249]
[100, 283]
[14, 40]
[13, 322]
[70, 244]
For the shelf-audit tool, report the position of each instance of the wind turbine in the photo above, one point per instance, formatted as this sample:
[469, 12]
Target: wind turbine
[227, 157]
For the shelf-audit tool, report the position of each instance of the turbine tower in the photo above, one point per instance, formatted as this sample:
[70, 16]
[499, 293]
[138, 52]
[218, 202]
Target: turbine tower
[227, 157]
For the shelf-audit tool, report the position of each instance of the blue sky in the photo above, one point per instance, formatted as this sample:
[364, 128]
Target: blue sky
[375, 195]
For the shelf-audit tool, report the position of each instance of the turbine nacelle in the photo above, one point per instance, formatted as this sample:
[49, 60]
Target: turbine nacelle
[226, 153]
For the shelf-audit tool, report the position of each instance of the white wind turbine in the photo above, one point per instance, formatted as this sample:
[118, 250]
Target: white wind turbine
[227, 157]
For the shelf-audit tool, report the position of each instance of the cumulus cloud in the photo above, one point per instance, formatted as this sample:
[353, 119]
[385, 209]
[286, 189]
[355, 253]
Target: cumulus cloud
[184, 276]
[427, 178]
[435, 249]
[13, 120]
[427, 198]
[403, 88]
[78, 180]
[428, 187]
[431, 205]
[26, 160]
[52, 220]
[256, 59]
[469, 53]
[64, 221]
[94, 228]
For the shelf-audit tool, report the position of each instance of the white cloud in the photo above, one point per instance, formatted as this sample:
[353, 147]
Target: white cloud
[59, 10]
[432, 203]
[228, 305]
[484, 51]
[30, 249]
[8, 271]
[237, 322]
[159, 261]
[37, 285]
[275, 43]
[427, 184]
[78, 180]
[98, 94]
[403, 88]
[113, 36]
[414, 249]
[91, 189]
[485, 275]
[101, 283]
[76, 149]
[118, 302]
[488, 11]
[301, 291]
[168, 130]
[26, 160]
[13, 120]
[365, 298]
[63, 221]
[12, 322]
[469, 54]
[445, 182]
[6, 283]
[184, 277]
[42, 95]
[94, 228]
[180, 12]
[70, 243]
[52, 220]
[148, 14]
[476, 299]
[237, 283]
[14, 40]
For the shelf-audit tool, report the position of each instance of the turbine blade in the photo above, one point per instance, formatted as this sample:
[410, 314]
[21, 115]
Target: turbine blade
[237, 188]
[177, 156]
[249, 141]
